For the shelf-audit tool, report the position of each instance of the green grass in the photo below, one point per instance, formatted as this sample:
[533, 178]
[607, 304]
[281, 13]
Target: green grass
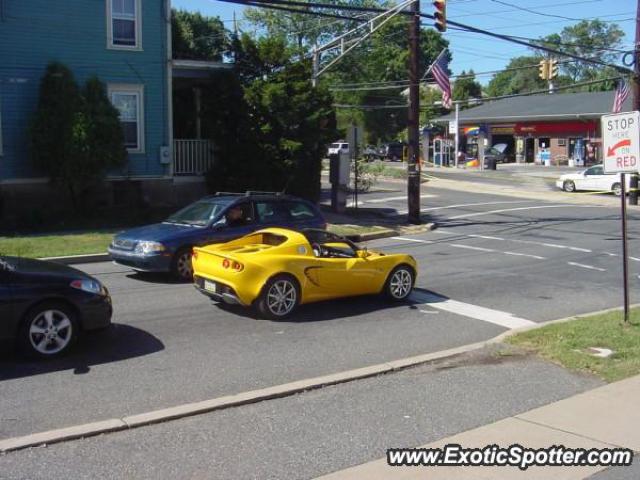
[353, 229]
[567, 344]
[56, 245]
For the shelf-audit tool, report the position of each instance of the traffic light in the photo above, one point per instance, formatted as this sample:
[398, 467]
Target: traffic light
[553, 69]
[544, 70]
[440, 15]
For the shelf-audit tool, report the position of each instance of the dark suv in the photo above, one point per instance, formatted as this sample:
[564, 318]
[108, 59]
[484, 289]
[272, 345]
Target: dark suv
[166, 246]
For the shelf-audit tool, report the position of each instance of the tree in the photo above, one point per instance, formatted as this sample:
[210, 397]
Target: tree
[75, 138]
[520, 75]
[198, 37]
[466, 87]
[589, 39]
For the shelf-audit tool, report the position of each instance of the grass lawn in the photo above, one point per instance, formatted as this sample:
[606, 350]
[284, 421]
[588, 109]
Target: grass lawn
[568, 344]
[56, 245]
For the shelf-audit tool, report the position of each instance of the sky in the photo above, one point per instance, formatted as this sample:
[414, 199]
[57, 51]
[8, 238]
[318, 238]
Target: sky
[479, 52]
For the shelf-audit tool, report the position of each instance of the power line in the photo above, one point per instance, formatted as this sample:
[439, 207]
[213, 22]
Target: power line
[524, 9]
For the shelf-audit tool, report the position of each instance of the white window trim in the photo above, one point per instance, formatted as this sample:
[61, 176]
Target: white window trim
[110, 45]
[138, 90]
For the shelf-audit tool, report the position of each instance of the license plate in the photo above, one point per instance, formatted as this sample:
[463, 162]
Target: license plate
[209, 286]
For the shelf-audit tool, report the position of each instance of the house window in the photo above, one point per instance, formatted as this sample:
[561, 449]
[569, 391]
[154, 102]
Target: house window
[129, 100]
[124, 18]
[562, 142]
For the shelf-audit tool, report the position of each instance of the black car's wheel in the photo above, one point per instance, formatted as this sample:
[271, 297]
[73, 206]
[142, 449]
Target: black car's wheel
[48, 330]
[569, 186]
[399, 283]
[279, 297]
[181, 266]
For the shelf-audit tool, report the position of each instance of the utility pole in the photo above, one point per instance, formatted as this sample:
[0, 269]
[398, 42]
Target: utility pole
[633, 182]
[413, 181]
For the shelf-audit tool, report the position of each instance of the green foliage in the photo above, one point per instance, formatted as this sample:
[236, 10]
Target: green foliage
[466, 87]
[271, 131]
[75, 136]
[520, 75]
[198, 37]
[588, 38]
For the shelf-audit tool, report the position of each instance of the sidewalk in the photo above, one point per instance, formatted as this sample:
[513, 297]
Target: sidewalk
[606, 417]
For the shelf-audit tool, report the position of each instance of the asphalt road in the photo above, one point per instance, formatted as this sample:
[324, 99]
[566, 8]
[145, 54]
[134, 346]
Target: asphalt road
[313, 433]
[524, 259]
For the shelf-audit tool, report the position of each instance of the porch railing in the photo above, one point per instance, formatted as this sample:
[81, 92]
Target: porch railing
[192, 157]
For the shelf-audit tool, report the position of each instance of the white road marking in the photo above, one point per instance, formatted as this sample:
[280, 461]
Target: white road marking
[492, 212]
[435, 312]
[610, 254]
[525, 255]
[469, 247]
[504, 319]
[553, 245]
[634, 259]
[431, 209]
[390, 199]
[486, 237]
[581, 265]
[406, 239]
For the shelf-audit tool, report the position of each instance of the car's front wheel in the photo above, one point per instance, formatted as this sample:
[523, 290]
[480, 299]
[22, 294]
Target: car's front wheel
[181, 266]
[48, 330]
[616, 189]
[569, 186]
[279, 297]
[400, 283]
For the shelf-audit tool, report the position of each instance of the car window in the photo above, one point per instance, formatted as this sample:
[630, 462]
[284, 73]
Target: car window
[335, 145]
[299, 211]
[271, 211]
[239, 214]
[597, 170]
[199, 213]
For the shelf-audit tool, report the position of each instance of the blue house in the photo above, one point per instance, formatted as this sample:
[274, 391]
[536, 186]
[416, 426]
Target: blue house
[125, 43]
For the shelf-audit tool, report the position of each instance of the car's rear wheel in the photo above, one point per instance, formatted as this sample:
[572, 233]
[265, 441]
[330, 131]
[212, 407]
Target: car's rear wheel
[279, 297]
[569, 186]
[616, 188]
[48, 330]
[400, 283]
[181, 266]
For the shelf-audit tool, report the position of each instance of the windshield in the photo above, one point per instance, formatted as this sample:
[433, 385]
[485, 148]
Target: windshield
[335, 145]
[199, 213]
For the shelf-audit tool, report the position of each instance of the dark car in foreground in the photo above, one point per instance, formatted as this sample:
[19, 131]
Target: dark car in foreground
[45, 305]
[167, 246]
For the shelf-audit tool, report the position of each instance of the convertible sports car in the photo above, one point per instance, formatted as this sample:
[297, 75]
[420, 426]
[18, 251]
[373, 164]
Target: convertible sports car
[276, 269]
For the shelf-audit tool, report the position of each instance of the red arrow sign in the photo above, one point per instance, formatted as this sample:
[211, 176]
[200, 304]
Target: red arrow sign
[612, 150]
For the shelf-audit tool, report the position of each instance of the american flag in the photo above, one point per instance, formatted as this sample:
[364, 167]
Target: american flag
[622, 92]
[439, 71]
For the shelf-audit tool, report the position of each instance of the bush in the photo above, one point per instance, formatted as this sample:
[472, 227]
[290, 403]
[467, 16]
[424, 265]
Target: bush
[75, 136]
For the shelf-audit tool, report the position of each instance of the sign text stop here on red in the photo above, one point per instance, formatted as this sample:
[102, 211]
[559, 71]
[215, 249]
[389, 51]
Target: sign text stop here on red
[621, 142]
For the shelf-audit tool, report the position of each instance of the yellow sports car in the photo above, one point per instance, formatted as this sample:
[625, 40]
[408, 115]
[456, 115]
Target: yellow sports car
[275, 270]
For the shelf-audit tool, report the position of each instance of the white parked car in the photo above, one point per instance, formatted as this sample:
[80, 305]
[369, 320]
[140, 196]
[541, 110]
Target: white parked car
[338, 148]
[592, 178]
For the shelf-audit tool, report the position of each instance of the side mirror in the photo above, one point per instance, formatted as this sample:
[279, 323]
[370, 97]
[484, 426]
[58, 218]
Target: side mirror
[220, 223]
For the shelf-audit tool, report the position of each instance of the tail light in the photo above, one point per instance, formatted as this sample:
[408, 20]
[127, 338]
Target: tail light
[237, 266]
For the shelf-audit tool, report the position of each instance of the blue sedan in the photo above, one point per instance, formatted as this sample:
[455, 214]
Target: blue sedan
[167, 246]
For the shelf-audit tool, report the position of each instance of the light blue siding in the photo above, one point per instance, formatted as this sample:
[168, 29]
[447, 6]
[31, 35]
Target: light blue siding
[74, 32]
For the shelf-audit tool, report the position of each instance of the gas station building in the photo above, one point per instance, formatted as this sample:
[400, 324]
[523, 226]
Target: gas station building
[565, 126]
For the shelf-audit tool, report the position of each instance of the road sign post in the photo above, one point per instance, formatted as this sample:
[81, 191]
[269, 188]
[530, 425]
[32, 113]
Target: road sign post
[621, 151]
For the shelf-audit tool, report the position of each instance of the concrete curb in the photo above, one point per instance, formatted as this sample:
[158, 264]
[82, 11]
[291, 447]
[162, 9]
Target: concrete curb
[77, 259]
[365, 237]
[255, 396]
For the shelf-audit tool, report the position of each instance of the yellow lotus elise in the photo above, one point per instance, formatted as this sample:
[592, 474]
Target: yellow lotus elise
[275, 270]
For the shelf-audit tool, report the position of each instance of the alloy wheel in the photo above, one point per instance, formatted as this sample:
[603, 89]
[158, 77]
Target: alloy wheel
[400, 284]
[50, 332]
[281, 297]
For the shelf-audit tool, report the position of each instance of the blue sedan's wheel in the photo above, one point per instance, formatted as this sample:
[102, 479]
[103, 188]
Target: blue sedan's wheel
[279, 297]
[400, 283]
[48, 330]
[181, 265]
